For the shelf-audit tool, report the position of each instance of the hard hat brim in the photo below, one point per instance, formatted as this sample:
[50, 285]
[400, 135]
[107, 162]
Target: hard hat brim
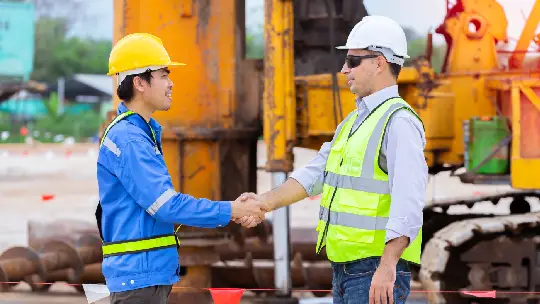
[344, 47]
[168, 65]
[176, 64]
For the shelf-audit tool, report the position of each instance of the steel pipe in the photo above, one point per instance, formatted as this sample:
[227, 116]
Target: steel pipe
[35, 266]
[260, 274]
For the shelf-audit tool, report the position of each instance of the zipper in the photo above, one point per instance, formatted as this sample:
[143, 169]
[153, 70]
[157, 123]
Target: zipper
[329, 208]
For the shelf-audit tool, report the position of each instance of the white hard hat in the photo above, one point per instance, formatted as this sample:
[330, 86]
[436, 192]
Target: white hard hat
[379, 33]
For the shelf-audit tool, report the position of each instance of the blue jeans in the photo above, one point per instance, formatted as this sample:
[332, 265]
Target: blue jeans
[351, 281]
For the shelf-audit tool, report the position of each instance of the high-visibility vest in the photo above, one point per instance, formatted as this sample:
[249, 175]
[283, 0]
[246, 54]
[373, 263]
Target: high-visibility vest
[136, 245]
[355, 202]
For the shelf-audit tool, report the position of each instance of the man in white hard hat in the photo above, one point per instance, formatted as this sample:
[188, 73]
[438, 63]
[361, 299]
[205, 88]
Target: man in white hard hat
[372, 175]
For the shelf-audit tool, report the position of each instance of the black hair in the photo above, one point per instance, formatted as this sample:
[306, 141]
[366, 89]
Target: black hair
[394, 67]
[125, 90]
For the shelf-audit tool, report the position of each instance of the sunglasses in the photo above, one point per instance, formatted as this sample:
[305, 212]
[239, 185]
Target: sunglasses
[354, 61]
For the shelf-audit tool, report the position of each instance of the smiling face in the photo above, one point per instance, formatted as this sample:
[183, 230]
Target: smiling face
[362, 74]
[157, 94]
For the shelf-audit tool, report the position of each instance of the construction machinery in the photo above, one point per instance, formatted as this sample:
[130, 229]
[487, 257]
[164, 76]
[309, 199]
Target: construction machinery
[481, 114]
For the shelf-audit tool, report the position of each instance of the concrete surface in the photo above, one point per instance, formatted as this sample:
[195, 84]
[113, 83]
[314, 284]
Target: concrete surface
[68, 172]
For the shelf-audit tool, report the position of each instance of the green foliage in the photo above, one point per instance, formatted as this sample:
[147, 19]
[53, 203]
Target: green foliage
[417, 47]
[254, 43]
[5, 122]
[58, 56]
[52, 104]
[80, 126]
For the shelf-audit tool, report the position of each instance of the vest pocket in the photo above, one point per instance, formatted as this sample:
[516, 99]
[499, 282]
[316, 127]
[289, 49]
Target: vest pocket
[352, 235]
[355, 215]
[351, 166]
[357, 202]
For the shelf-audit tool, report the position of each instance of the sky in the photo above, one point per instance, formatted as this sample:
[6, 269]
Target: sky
[420, 15]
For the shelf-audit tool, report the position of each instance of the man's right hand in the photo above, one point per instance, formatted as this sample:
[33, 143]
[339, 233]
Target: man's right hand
[251, 221]
[288, 193]
[248, 207]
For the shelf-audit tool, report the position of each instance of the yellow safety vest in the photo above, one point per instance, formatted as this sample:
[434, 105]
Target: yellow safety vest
[139, 245]
[355, 203]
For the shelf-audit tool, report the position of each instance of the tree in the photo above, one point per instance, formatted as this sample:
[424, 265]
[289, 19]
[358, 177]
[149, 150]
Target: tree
[71, 11]
[59, 56]
[57, 53]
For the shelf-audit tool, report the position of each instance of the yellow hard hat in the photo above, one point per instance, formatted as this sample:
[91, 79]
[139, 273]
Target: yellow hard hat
[137, 51]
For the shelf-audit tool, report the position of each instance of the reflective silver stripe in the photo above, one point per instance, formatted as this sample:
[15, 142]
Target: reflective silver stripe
[353, 220]
[161, 200]
[111, 146]
[368, 166]
[357, 183]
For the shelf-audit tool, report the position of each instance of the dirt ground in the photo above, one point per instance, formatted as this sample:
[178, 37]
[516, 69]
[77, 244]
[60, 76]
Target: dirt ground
[68, 173]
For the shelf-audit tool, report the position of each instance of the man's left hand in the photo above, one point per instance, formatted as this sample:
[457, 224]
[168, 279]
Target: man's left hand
[382, 285]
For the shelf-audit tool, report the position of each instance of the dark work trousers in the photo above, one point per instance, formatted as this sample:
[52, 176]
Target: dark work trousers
[147, 295]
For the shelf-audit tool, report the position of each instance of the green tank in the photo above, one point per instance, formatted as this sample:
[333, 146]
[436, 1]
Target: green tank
[482, 135]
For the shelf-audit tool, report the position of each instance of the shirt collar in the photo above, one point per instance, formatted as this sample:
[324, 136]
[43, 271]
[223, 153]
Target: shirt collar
[153, 123]
[374, 100]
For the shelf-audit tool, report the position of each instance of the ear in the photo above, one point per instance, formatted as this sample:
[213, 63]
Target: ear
[138, 84]
[381, 63]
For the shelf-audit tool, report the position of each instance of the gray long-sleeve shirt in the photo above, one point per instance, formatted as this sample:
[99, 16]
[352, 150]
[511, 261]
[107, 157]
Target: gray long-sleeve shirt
[402, 155]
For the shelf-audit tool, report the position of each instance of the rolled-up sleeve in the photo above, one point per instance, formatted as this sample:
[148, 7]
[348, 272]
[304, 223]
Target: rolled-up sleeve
[147, 180]
[407, 170]
[311, 176]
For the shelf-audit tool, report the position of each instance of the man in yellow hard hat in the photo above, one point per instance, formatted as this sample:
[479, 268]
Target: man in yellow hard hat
[138, 204]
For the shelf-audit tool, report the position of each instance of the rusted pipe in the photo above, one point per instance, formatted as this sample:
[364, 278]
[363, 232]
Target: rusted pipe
[66, 230]
[90, 254]
[77, 260]
[260, 246]
[259, 274]
[57, 265]
[35, 266]
[266, 251]
[91, 274]
[17, 263]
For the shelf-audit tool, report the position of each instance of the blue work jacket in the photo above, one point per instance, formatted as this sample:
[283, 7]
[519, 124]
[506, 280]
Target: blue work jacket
[138, 200]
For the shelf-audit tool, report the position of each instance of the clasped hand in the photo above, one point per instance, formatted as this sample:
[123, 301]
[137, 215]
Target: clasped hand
[248, 210]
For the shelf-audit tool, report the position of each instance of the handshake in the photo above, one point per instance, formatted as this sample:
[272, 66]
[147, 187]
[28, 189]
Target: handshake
[248, 210]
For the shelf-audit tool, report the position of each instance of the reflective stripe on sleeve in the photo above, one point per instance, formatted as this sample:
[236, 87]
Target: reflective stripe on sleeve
[160, 201]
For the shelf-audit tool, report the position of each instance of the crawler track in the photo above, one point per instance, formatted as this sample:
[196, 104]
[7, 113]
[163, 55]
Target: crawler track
[487, 253]
[436, 216]
[470, 201]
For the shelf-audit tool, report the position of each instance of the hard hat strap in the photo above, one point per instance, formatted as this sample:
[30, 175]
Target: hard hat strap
[388, 54]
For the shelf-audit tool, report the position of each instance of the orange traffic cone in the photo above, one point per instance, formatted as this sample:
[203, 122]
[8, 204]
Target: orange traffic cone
[226, 295]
